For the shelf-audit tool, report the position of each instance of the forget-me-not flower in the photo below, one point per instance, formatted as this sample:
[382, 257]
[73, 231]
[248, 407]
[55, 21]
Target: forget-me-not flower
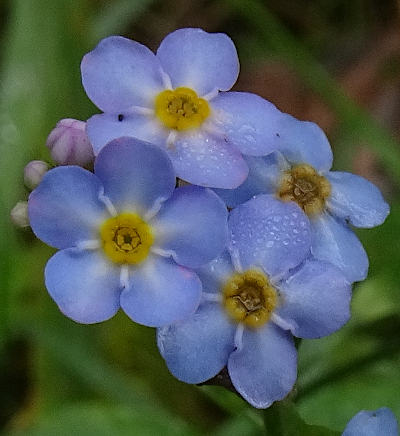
[332, 200]
[173, 99]
[255, 298]
[381, 422]
[127, 237]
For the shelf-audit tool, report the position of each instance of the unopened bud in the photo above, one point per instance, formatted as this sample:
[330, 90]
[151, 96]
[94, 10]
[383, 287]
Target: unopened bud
[34, 172]
[69, 143]
[19, 214]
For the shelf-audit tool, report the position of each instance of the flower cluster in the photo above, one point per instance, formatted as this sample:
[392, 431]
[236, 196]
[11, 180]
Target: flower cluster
[225, 289]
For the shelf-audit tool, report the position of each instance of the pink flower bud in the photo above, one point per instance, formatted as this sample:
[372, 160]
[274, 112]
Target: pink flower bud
[69, 143]
[19, 214]
[34, 172]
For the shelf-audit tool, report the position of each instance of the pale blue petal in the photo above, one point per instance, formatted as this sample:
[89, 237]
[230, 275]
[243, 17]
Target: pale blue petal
[270, 234]
[206, 160]
[199, 60]
[249, 122]
[161, 293]
[84, 284]
[381, 422]
[103, 128]
[356, 199]
[315, 300]
[120, 73]
[335, 242]
[192, 225]
[136, 175]
[263, 178]
[304, 142]
[197, 349]
[65, 208]
[264, 369]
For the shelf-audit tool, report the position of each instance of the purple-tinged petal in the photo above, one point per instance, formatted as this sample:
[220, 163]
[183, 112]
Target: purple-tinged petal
[103, 128]
[199, 60]
[335, 242]
[381, 422]
[268, 233]
[206, 160]
[315, 300]
[192, 226]
[136, 175]
[120, 73]
[65, 208]
[161, 292]
[198, 348]
[84, 284]
[356, 199]
[304, 142]
[264, 369]
[263, 178]
[249, 122]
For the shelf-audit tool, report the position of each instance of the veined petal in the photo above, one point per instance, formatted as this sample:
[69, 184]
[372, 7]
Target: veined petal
[136, 175]
[268, 233]
[65, 208]
[249, 122]
[192, 225]
[315, 300]
[198, 348]
[199, 60]
[103, 128]
[84, 284]
[372, 423]
[207, 160]
[161, 293]
[335, 242]
[356, 199]
[264, 369]
[120, 73]
[304, 142]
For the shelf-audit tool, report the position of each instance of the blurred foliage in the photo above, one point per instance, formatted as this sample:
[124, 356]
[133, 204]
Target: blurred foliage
[57, 377]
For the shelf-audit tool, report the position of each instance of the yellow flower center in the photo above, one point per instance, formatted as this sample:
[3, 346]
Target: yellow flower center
[250, 298]
[181, 109]
[126, 238]
[306, 187]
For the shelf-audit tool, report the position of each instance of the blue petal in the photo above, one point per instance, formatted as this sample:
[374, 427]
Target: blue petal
[198, 349]
[103, 128]
[136, 175]
[263, 178]
[65, 208]
[304, 142]
[192, 225]
[264, 369]
[120, 73]
[270, 234]
[205, 160]
[315, 300]
[335, 242]
[199, 60]
[249, 121]
[216, 273]
[85, 285]
[161, 293]
[356, 199]
[381, 422]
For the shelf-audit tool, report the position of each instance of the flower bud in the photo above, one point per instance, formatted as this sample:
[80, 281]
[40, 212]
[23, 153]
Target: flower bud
[69, 143]
[19, 214]
[34, 172]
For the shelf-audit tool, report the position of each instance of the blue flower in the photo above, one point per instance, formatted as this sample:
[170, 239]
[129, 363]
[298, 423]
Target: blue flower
[381, 422]
[173, 99]
[255, 297]
[127, 237]
[331, 199]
